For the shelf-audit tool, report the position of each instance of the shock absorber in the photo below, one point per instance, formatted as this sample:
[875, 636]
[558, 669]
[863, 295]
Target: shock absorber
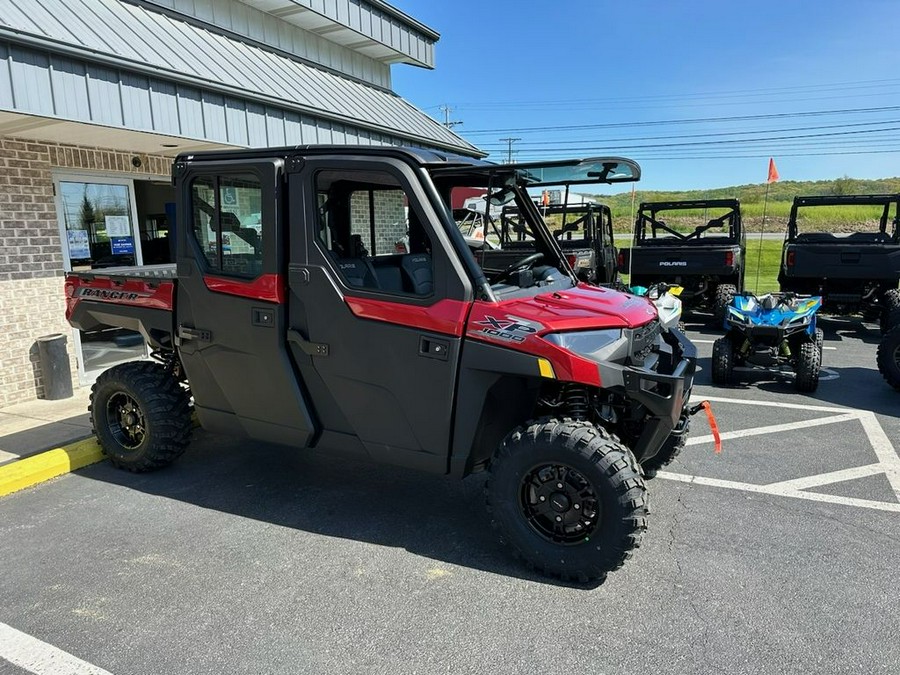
[576, 401]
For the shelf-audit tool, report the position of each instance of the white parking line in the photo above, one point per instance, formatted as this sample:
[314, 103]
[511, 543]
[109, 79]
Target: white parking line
[774, 429]
[41, 658]
[888, 461]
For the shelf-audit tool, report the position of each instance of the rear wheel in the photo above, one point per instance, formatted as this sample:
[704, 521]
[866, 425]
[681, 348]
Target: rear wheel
[141, 416]
[889, 358]
[724, 295]
[809, 362]
[568, 498]
[890, 310]
[723, 361]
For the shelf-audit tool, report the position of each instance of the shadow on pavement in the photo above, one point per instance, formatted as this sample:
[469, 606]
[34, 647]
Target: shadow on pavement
[46, 435]
[434, 517]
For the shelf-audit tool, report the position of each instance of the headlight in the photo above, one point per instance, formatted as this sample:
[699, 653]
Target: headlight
[736, 316]
[586, 343]
[800, 320]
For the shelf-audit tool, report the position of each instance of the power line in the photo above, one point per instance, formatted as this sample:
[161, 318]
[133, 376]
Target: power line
[837, 86]
[581, 142]
[696, 120]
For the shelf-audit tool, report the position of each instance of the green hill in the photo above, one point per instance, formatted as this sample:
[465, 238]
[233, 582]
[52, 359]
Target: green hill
[781, 194]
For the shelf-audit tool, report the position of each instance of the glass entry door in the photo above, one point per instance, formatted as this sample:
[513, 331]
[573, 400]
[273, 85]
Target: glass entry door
[98, 226]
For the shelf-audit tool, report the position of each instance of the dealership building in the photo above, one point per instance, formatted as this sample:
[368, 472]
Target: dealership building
[98, 96]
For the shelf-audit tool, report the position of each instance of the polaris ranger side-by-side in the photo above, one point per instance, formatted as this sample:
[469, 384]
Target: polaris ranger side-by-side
[853, 271]
[707, 260]
[319, 334]
[584, 232]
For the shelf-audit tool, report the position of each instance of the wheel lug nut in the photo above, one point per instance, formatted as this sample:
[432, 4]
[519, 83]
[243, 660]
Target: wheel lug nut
[578, 506]
[558, 518]
[543, 498]
[559, 486]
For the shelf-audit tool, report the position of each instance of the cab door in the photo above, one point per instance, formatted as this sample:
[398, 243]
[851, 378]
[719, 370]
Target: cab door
[376, 309]
[231, 303]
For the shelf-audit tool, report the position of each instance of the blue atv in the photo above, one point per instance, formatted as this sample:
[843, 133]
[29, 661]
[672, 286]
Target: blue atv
[773, 331]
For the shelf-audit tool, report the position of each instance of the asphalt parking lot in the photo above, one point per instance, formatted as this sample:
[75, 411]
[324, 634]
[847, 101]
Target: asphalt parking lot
[778, 555]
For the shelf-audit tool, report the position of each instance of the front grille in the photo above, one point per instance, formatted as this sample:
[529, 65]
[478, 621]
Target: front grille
[643, 340]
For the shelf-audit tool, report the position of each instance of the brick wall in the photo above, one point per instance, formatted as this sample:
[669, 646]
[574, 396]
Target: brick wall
[390, 219]
[31, 263]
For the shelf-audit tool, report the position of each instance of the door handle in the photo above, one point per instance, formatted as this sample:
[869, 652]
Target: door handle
[434, 349]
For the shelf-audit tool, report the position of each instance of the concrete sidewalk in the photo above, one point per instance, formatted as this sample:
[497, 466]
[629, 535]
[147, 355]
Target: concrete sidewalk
[35, 426]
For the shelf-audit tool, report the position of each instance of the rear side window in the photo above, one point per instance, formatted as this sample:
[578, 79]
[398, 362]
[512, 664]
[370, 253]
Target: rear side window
[227, 223]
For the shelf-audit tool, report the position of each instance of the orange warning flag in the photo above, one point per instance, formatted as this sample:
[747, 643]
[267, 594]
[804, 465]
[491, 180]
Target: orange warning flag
[773, 172]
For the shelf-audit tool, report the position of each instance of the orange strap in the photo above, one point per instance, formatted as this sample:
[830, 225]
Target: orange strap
[713, 426]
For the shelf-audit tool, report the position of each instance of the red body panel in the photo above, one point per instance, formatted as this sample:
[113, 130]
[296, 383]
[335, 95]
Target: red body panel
[150, 293]
[519, 324]
[444, 316]
[268, 287]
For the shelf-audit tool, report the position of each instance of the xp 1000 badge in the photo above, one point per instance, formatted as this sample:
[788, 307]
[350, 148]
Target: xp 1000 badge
[510, 328]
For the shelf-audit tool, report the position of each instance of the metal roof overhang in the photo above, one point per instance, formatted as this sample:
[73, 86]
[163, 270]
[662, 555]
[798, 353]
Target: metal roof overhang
[135, 68]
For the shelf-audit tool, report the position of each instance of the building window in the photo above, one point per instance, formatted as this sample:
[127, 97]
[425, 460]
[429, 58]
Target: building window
[227, 223]
[372, 236]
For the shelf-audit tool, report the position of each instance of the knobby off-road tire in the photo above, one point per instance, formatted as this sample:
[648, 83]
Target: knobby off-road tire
[724, 295]
[670, 449]
[889, 358]
[723, 361]
[809, 362]
[141, 416]
[890, 310]
[594, 508]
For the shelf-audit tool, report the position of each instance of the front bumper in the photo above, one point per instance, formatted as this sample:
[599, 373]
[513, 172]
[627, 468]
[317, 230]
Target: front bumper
[664, 393]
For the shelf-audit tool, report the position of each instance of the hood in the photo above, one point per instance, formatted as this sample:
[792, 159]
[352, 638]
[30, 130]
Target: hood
[581, 308]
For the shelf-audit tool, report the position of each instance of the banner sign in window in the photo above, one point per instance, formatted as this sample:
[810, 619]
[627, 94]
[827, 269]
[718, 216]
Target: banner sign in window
[79, 246]
[122, 245]
[118, 226]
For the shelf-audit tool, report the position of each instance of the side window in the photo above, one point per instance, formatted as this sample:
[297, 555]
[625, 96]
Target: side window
[227, 223]
[371, 234]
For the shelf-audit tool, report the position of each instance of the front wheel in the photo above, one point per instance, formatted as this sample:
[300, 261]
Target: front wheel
[809, 363]
[568, 498]
[141, 415]
[723, 361]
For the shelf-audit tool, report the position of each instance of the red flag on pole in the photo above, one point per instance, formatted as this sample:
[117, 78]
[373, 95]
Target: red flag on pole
[773, 172]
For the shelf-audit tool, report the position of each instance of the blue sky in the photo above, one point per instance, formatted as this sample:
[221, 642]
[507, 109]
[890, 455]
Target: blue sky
[524, 69]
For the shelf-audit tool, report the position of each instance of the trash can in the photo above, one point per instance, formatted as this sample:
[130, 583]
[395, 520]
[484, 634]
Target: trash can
[54, 358]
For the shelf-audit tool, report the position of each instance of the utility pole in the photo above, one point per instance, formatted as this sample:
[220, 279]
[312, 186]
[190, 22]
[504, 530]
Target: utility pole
[509, 142]
[446, 109]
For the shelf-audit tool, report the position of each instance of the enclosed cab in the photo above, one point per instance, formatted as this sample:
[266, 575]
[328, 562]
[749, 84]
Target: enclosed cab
[698, 245]
[315, 331]
[845, 248]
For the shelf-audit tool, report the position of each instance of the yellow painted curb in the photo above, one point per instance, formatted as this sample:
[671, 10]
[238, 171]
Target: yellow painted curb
[30, 471]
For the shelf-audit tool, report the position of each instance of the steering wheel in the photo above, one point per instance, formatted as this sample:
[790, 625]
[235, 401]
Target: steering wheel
[523, 264]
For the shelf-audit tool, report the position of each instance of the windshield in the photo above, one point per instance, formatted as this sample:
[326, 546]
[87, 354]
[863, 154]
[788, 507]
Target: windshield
[504, 233]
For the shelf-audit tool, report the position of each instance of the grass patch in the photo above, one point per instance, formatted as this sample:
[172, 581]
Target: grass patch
[766, 261]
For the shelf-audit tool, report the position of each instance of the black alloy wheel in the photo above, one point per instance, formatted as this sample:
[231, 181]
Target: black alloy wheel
[560, 504]
[125, 421]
